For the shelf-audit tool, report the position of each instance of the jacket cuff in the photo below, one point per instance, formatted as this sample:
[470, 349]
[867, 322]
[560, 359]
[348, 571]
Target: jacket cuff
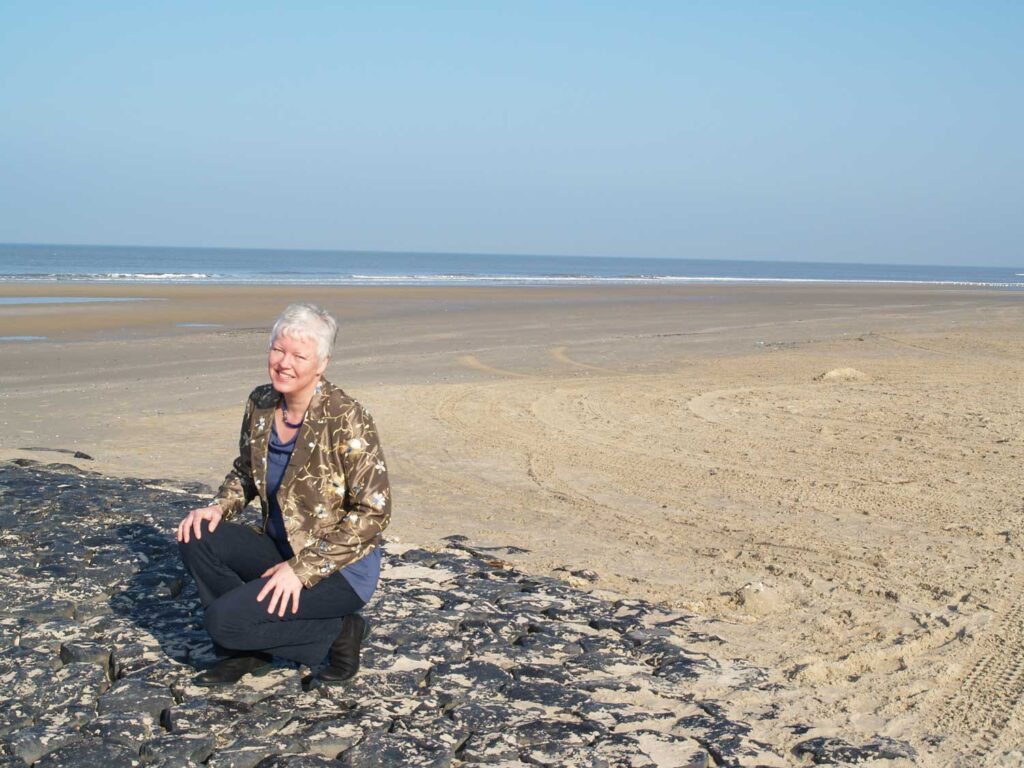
[228, 507]
[309, 574]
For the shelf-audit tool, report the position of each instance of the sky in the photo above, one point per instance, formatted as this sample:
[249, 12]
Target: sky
[814, 131]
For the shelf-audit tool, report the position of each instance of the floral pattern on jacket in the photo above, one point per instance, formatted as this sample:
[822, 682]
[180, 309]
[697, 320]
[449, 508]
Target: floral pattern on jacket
[335, 497]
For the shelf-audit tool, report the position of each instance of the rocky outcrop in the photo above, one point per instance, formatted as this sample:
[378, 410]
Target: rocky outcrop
[469, 661]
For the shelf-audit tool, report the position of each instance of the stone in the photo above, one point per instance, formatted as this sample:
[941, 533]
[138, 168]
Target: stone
[14, 715]
[34, 742]
[245, 754]
[329, 737]
[385, 750]
[136, 696]
[202, 716]
[92, 752]
[297, 761]
[187, 747]
[124, 728]
[830, 750]
[546, 694]
[78, 683]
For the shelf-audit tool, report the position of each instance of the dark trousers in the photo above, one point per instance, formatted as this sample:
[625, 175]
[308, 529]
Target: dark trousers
[227, 564]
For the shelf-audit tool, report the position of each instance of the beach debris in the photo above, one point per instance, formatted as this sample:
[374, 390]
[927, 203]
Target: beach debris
[470, 661]
[842, 374]
[73, 453]
[757, 597]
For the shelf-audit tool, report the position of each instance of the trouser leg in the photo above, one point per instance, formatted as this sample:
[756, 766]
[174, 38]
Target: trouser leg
[226, 559]
[235, 620]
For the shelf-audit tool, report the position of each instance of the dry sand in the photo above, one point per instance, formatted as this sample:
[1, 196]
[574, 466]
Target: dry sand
[826, 476]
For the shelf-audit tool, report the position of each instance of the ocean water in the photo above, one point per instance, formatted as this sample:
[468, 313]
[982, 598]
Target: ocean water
[126, 264]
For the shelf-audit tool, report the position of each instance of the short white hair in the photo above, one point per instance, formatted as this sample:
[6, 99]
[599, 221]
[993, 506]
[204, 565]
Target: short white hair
[307, 321]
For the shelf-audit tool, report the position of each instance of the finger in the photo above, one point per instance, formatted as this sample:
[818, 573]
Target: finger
[214, 522]
[273, 599]
[197, 526]
[187, 523]
[295, 602]
[266, 573]
[284, 606]
[263, 592]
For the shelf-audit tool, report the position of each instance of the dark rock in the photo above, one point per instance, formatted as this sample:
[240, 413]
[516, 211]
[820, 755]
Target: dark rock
[74, 684]
[328, 737]
[32, 743]
[245, 753]
[555, 733]
[728, 741]
[469, 661]
[550, 673]
[93, 752]
[297, 761]
[136, 696]
[88, 653]
[174, 747]
[546, 694]
[484, 716]
[491, 747]
[14, 715]
[385, 750]
[468, 679]
[127, 729]
[829, 750]
[202, 716]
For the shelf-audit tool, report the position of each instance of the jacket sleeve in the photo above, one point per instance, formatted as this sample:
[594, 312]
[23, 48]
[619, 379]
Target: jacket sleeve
[367, 509]
[238, 488]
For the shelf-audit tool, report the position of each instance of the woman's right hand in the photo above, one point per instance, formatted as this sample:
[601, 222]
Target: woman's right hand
[193, 521]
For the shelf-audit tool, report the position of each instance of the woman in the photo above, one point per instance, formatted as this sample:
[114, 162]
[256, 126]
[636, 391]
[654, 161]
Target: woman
[293, 587]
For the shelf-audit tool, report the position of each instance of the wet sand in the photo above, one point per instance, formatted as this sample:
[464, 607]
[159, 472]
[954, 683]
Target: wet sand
[857, 534]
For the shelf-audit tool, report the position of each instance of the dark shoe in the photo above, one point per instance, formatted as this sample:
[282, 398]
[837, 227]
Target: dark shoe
[233, 669]
[343, 659]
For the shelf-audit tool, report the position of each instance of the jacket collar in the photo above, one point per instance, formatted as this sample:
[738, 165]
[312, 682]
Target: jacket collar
[309, 434]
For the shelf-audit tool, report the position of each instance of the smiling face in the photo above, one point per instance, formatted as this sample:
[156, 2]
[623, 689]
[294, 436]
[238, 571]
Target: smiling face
[293, 365]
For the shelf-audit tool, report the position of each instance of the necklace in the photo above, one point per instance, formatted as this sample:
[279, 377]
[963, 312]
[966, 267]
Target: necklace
[284, 415]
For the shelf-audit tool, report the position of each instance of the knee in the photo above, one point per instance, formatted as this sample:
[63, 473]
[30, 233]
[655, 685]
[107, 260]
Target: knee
[221, 624]
[188, 549]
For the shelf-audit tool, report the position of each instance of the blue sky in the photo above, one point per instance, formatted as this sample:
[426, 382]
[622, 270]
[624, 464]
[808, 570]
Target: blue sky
[873, 132]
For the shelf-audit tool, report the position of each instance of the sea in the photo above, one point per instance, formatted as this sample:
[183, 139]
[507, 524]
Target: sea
[146, 265]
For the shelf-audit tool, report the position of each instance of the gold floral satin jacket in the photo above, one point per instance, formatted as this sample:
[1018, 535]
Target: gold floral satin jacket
[334, 497]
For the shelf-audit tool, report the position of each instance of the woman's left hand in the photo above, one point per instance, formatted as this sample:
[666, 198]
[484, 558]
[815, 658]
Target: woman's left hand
[284, 585]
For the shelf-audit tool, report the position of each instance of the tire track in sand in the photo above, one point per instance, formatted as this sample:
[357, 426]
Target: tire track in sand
[990, 694]
[472, 361]
[559, 353]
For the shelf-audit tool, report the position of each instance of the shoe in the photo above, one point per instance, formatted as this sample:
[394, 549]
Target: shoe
[233, 669]
[343, 658]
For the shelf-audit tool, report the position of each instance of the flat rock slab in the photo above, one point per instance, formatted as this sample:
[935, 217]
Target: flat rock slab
[469, 661]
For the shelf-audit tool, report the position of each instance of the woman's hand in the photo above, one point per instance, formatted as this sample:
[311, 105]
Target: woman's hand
[194, 520]
[285, 586]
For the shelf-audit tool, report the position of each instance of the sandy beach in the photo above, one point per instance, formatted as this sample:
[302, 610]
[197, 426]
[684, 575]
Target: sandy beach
[824, 475]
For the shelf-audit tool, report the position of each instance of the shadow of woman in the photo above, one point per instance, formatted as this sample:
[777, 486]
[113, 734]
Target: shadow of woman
[158, 596]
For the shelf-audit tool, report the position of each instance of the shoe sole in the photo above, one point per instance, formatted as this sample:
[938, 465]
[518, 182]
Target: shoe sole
[258, 672]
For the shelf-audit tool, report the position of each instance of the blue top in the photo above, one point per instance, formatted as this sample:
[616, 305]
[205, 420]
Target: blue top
[362, 575]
